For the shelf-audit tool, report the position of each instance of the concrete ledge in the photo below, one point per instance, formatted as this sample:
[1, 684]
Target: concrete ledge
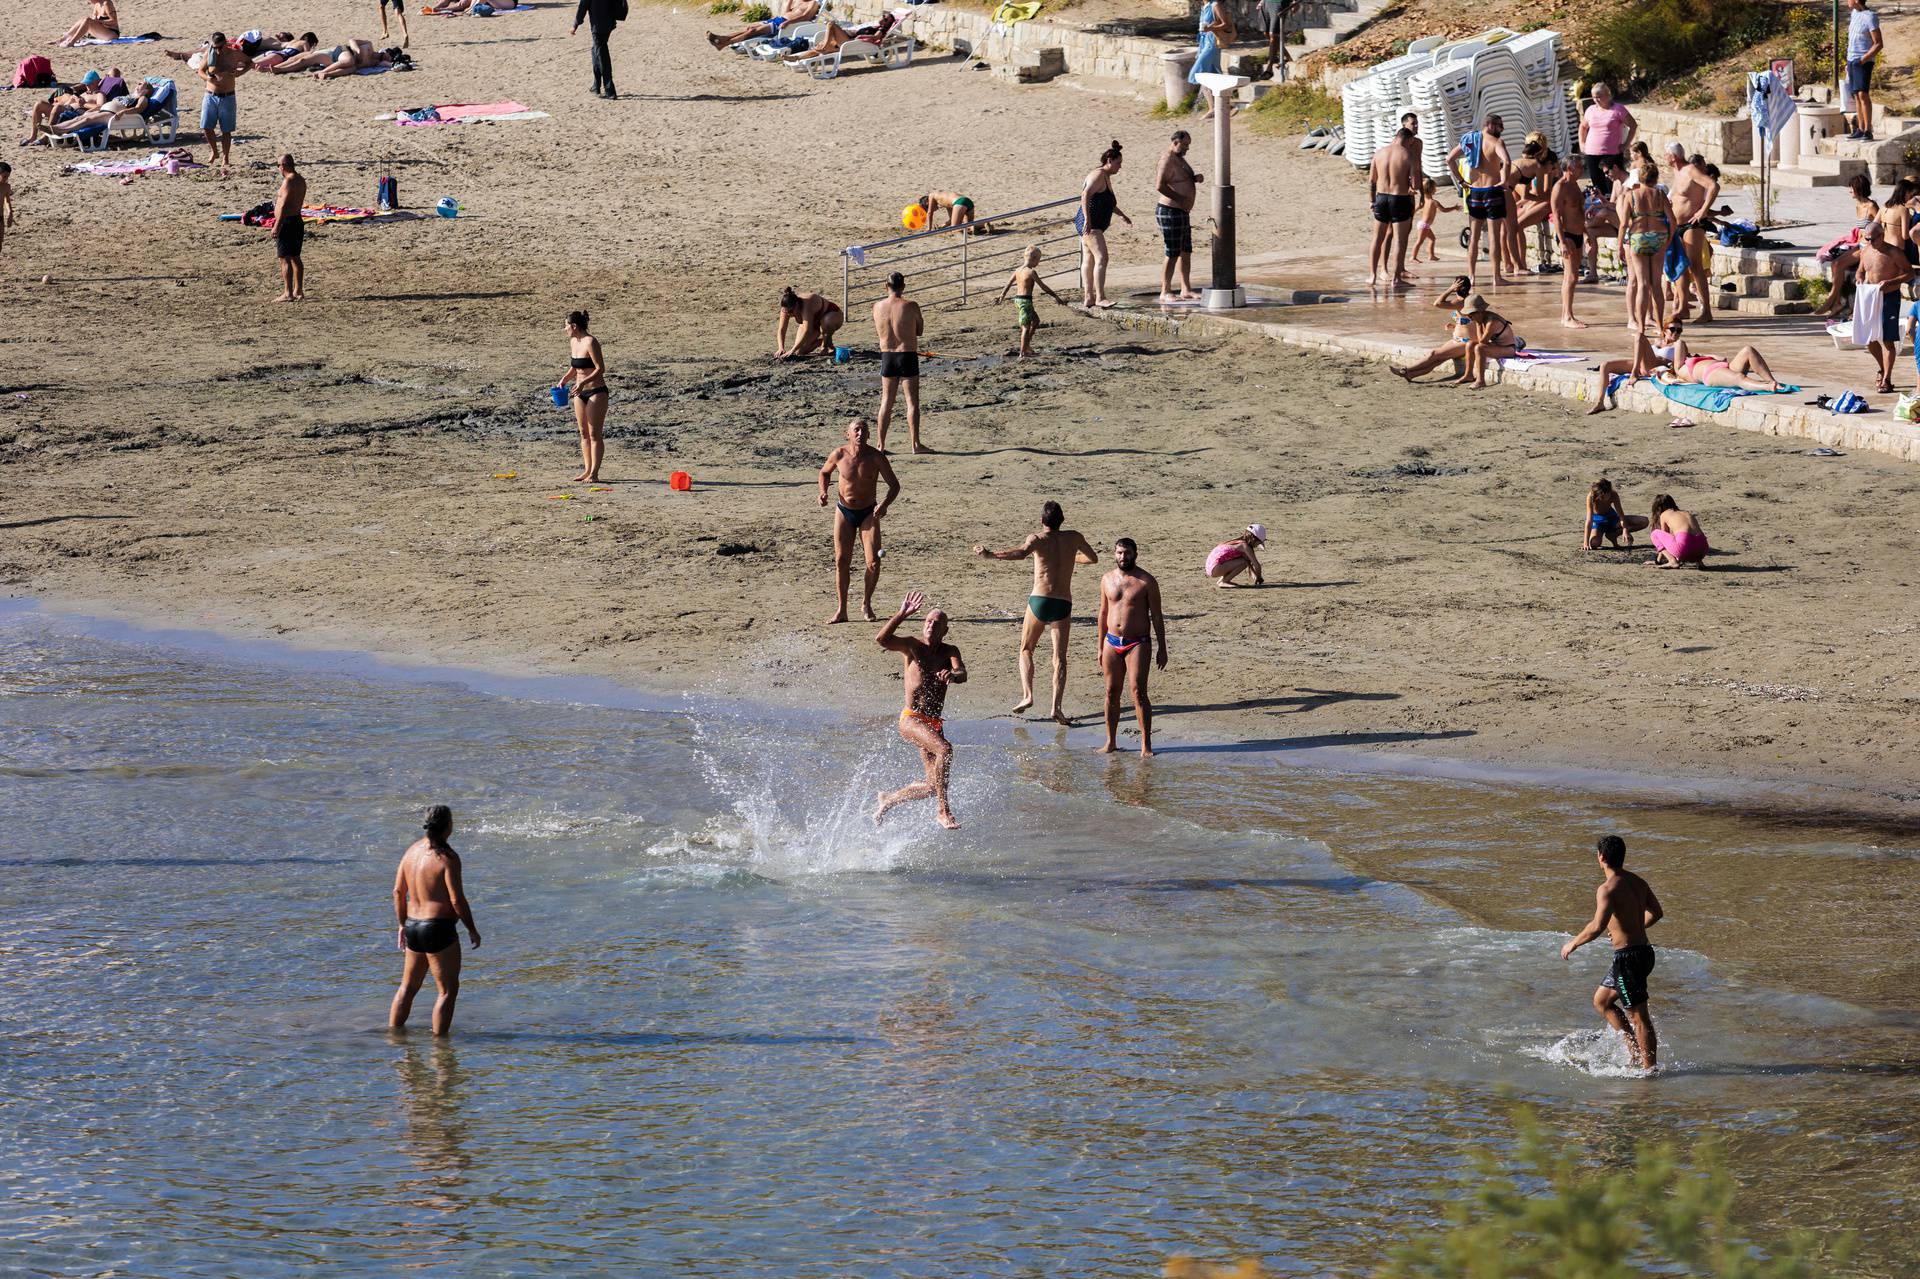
[1780, 415]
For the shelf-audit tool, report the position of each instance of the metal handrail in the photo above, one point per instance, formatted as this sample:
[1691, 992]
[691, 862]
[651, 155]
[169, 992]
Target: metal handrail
[854, 259]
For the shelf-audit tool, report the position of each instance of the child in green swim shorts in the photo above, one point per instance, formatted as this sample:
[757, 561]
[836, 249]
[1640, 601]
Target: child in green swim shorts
[1024, 278]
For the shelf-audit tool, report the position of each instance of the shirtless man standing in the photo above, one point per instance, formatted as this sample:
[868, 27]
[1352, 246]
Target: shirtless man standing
[1129, 604]
[1624, 907]
[856, 514]
[427, 899]
[290, 231]
[1392, 175]
[1876, 296]
[932, 665]
[1178, 187]
[1569, 205]
[898, 324]
[1488, 172]
[1050, 608]
[1692, 193]
[219, 109]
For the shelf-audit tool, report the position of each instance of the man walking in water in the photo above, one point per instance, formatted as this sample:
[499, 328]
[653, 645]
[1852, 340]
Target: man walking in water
[1624, 907]
[898, 324]
[932, 665]
[1392, 176]
[427, 899]
[1055, 551]
[1489, 172]
[857, 514]
[1129, 605]
[290, 231]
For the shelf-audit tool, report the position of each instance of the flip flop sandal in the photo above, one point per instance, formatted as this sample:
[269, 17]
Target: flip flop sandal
[1681, 423]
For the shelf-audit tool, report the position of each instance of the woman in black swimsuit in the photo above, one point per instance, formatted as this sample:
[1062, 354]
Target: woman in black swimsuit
[101, 23]
[587, 370]
[1098, 208]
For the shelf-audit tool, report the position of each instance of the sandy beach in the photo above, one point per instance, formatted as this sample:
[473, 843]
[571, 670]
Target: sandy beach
[190, 452]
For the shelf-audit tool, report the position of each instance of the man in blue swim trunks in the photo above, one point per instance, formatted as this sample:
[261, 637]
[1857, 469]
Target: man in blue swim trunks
[1624, 907]
[790, 11]
[1055, 552]
[857, 514]
[222, 64]
[1133, 634]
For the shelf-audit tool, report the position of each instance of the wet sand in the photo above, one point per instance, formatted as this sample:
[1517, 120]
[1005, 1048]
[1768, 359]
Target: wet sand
[191, 452]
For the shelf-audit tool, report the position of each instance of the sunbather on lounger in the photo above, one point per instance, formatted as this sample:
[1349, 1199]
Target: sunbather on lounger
[837, 35]
[790, 11]
[108, 111]
[57, 109]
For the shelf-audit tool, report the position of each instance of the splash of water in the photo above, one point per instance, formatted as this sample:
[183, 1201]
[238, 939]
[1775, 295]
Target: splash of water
[1600, 1053]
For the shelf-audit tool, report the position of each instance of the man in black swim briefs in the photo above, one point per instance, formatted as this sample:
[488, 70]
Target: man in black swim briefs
[897, 322]
[1624, 907]
[427, 898]
[856, 512]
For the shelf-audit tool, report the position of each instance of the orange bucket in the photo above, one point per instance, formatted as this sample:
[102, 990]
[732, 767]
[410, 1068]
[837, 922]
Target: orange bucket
[680, 482]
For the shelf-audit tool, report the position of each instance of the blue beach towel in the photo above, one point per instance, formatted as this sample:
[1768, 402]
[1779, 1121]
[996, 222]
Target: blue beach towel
[1713, 399]
[1677, 263]
[1470, 143]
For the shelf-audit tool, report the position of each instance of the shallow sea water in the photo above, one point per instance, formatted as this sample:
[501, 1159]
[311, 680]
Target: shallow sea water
[722, 1026]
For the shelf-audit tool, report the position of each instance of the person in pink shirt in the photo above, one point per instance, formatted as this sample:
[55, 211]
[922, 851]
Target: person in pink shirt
[1606, 131]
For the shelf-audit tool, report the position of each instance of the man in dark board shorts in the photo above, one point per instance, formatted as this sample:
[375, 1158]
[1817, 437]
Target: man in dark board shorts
[1624, 907]
[290, 231]
[428, 898]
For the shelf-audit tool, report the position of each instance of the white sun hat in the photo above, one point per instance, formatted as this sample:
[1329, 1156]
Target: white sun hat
[1259, 531]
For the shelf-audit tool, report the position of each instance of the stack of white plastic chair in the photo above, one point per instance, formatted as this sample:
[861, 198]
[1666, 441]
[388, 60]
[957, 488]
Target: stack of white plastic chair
[1372, 105]
[1500, 89]
[1442, 96]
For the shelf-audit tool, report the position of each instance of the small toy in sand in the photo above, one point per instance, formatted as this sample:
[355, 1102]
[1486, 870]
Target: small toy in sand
[680, 482]
[914, 218]
[506, 475]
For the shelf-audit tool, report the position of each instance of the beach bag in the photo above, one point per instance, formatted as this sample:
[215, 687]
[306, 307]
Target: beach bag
[1735, 234]
[259, 215]
[386, 193]
[1906, 408]
[34, 72]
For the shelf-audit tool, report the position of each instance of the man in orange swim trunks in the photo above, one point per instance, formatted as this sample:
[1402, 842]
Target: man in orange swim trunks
[932, 665]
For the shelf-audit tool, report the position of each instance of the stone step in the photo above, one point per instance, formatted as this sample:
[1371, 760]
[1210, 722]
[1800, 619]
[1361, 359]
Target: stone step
[1778, 264]
[1761, 306]
[1798, 177]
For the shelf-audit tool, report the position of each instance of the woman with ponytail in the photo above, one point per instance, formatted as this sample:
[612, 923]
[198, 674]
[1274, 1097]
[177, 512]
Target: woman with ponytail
[1099, 206]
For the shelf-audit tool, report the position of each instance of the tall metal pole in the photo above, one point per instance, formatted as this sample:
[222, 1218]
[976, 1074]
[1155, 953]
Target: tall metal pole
[1224, 293]
[1836, 52]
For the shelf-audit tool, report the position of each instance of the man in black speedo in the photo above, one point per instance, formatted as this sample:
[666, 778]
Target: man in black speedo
[1624, 907]
[427, 899]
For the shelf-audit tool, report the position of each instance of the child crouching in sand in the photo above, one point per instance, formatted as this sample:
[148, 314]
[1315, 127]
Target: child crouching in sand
[1430, 211]
[1607, 518]
[1024, 278]
[1232, 558]
[1677, 538]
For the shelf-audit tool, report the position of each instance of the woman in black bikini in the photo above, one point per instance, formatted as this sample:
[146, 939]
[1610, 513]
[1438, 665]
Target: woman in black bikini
[1098, 208]
[101, 23]
[587, 371]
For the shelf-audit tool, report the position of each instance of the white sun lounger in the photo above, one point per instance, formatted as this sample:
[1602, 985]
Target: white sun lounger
[765, 49]
[894, 51]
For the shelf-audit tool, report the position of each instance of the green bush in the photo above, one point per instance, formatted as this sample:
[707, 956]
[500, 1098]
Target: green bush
[757, 13]
[724, 6]
[1292, 108]
[1545, 1214]
[1643, 44]
[1161, 111]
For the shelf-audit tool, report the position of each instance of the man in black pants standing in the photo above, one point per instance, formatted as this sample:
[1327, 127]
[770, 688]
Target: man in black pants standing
[601, 16]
